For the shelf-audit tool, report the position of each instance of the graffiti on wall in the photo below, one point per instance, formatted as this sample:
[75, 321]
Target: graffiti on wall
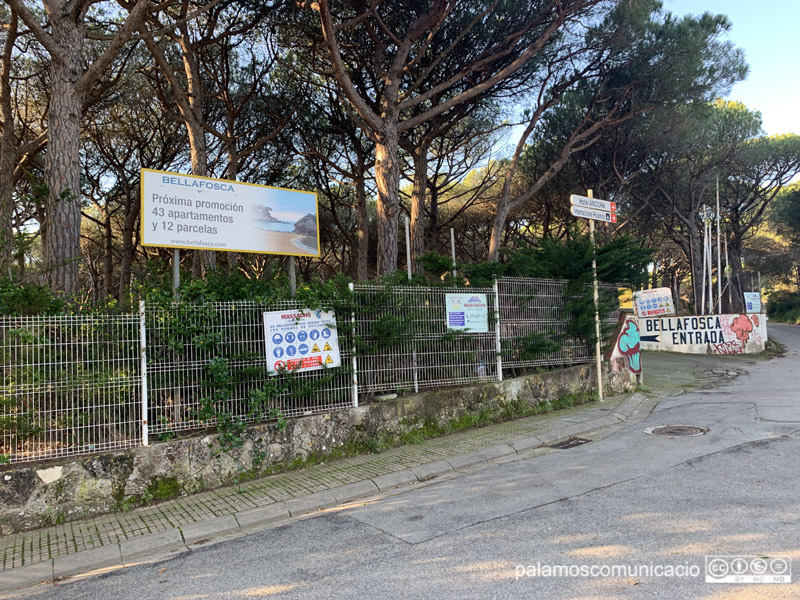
[630, 347]
[718, 334]
[625, 351]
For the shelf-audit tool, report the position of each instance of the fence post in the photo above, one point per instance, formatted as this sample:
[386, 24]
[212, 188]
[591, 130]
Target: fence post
[353, 339]
[497, 345]
[143, 358]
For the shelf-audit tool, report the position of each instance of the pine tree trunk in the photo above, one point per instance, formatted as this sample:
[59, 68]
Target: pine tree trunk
[363, 228]
[62, 251]
[432, 235]
[108, 258]
[387, 179]
[7, 152]
[498, 224]
[418, 206]
[6, 202]
[232, 258]
[128, 247]
[203, 260]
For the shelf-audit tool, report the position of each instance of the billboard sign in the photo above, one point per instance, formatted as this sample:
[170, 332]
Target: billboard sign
[185, 211]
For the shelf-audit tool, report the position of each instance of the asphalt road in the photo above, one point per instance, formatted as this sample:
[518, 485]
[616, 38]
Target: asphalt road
[628, 501]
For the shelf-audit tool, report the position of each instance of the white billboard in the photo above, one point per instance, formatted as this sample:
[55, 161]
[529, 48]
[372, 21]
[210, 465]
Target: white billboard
[185, 211]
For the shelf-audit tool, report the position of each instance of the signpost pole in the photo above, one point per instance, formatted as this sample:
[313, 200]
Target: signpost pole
[176, 273]
[719, 259]
[710, 269]
[596, 294]
[414, 344]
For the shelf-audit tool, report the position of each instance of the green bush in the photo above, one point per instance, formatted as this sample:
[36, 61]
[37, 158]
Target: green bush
[27, 299]
[784, 307]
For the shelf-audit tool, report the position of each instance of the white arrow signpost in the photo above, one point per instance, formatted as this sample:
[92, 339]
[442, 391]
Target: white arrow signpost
[595, 203]
[594, 215]
[594, 209]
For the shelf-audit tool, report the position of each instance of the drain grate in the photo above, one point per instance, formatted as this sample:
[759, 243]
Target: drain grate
[677, 430]
[570, 442]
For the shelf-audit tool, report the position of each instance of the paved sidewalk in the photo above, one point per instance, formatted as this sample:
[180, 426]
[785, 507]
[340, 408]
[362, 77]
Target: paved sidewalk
[158, 531]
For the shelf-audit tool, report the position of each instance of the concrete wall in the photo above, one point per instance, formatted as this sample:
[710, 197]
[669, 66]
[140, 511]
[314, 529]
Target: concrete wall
[705, 334]
[43, 494]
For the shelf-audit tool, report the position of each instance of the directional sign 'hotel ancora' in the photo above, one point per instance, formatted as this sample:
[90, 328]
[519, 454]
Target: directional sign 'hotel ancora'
[595, 203]
[593, 208]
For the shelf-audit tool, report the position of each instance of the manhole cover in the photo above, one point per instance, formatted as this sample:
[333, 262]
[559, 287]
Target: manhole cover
[677, 430]
[570, 442]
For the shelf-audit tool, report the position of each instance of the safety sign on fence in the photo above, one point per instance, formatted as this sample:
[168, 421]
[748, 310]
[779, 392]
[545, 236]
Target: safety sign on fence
[301, 340]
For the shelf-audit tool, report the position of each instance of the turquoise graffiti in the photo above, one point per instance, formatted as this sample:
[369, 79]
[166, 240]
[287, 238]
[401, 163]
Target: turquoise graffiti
[628, 344]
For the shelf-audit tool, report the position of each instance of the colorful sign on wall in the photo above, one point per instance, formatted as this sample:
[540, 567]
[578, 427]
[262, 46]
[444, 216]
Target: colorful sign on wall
[467, 312]
[301, 340]
[654, 303]
[184, 211]
[705, 334]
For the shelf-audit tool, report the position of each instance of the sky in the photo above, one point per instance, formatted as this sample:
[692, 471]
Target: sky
[766, 30]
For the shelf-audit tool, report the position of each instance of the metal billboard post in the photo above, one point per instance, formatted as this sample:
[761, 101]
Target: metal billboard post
[176, 273]
[292, 277]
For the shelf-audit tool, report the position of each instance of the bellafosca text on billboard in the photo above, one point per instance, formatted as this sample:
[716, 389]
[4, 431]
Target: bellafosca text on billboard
[185, 211]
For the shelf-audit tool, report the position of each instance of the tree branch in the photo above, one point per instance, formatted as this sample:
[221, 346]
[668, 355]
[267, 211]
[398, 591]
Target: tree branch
[44, 38]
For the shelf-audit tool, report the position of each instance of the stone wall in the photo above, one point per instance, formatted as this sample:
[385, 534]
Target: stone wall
[37, 495]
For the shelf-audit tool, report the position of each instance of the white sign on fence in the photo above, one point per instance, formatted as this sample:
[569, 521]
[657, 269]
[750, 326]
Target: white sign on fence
[467, 312]
[184, 211]
[752, 302]
[654, 303]
[301, 340]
